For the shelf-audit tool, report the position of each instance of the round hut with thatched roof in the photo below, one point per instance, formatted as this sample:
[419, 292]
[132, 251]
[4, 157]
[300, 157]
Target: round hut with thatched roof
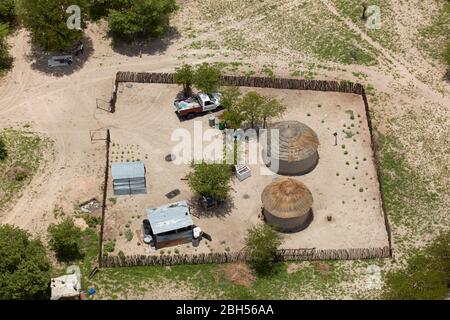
[287, 205]
[294, 152]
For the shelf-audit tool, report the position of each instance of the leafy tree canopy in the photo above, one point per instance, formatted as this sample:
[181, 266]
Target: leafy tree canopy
[207, 78]
[25, 270]
[8, 11]
[185, 76]
[140, 19]
[210, 180]
[47, 20]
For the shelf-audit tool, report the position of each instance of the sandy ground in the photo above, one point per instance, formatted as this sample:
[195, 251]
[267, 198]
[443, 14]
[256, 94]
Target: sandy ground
[143, 128]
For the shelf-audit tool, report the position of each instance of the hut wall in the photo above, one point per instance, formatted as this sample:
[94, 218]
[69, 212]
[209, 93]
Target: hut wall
[292, 168]
[289, 225]
[298, 167]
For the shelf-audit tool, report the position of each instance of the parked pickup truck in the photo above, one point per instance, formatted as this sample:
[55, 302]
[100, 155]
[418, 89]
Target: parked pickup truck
[202, 102]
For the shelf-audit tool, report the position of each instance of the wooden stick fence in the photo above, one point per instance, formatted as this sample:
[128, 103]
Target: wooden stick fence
[105, 195]
[228, 257]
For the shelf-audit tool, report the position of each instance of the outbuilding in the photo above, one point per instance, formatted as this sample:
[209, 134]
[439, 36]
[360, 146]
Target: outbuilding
[128, 178]
[171, 224]
[294, 150]
[287, 205]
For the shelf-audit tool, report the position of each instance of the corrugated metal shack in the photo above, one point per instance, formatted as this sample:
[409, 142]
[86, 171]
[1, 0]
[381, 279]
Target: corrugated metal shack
[171, 224]
[128, 178]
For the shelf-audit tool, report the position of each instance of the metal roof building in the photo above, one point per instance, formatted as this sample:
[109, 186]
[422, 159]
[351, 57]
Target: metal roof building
[128, 178]
[171, 224]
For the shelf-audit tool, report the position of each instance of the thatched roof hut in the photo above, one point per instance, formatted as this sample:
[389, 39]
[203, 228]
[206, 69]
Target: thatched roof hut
[287, 205]
[295, 151]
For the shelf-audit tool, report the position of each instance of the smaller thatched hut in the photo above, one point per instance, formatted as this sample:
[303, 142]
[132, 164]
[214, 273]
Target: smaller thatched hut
[295, 150]
[287, 205]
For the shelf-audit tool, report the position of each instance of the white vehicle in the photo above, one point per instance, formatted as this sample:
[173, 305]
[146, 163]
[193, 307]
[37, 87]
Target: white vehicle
[202, 102]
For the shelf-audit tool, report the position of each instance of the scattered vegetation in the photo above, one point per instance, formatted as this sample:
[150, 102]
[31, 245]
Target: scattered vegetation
[21, 154]
[426, 276]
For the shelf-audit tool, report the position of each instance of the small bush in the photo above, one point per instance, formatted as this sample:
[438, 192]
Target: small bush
[3, 151]
[129, 235]
[91, 221]
[109, 247]
[262, 245]
[21, 176]
[66, 240]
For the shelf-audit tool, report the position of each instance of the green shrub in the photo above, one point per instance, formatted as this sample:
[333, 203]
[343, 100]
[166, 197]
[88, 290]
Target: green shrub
[91, 220]
[109, 247]
[3, 151]
[66, 240]
[129, 235]
[21, 176]
[262, 243]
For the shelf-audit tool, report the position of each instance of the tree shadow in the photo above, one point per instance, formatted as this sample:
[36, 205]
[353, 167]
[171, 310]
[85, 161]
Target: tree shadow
[40, 58]
[149, 47]
[221, 211]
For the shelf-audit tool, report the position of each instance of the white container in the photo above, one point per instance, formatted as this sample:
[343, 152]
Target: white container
[243, 172]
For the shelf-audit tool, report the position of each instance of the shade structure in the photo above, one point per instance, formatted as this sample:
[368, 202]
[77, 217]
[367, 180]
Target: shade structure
[294, 150]
[287, 205]
[128, 178]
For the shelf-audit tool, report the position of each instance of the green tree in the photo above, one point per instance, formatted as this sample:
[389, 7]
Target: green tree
[8, 11]
[184, 75]
[141, 19]
[262, 243]
[271, 108]
[230, 101]
[100, 8]
[47, 20]
[210, 180]
[3, 150]
[66, 240]
[5, 58]
[25, 270]
[426, 276]
[207, 78]
[250, 107]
